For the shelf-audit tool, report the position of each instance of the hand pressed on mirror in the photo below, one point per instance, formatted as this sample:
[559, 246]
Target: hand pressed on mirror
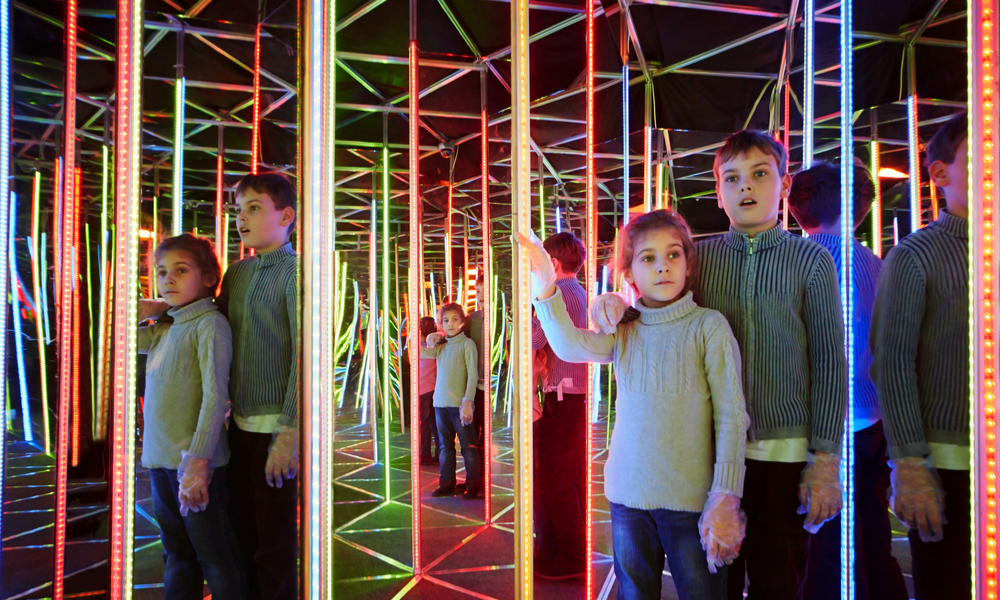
[282, 456]
[152, 308]
[543, 274]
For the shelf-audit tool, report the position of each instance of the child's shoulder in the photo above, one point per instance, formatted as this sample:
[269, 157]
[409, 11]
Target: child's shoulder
[214, 320]
[710, 320]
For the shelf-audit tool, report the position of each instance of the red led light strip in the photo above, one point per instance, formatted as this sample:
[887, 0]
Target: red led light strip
[592, 273]
[449, 278]
[486, 303]
[415, 283]
[65, 277]
[788, 139]
[255, 142]
[934, 200]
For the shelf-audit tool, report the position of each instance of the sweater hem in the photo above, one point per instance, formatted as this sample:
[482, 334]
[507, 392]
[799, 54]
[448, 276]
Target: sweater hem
[680, 507]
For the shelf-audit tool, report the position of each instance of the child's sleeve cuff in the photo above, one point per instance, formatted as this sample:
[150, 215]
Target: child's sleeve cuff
[551, 308]
[729, 478]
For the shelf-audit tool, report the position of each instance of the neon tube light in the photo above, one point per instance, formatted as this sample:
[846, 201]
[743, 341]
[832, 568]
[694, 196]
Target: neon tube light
[102, 318]
[40, 309]
[788, 146]
[809, 94]
[521, 348]
[846, 293]
[625, 144]
[647, 168]
[487, 301]
[65, 279]
[877, 204]
[541, 199]
[914, 155]
[128, 131]
[219, 215]
[177, 189]
[448, 275]
[5, 68]
[255, 141]
[416, 278]
[75, 288]
[593, 375]
[16, 312]
[386, 320]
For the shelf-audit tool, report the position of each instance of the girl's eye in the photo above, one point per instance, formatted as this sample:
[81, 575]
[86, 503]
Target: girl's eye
[730, 179]
[674, 255]
[647, 259]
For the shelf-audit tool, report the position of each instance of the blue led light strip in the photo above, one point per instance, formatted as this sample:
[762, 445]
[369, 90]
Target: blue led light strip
[4, 190]
[846, 291]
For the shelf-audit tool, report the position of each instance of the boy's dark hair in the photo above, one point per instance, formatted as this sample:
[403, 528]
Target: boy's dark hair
[947, 139]
[743, 142]
[278, 188]
[567, 249]
[815, 195]
[427, 326]
[199, 249]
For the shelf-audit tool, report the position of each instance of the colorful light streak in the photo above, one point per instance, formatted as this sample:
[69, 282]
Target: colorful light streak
[982, 303]
[914, 156]
[788, 147]
[40, 309]
[846, 293]
[5, 108]
[877, 203]
[220, 217]
[809, 94]
[65, 278]
[75, 287]
[16, 312]
[177, 185]
[487, 301]
[128, 131]
[625, 145]
[934, 200]
[591, 228]
[386, 320]
[521, 355]
[416, 278]
[255, 141]
[448, 275]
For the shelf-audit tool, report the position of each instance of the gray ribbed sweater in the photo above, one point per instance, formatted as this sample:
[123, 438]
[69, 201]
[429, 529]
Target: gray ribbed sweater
[680, 429]
[187, 374]
[260, 296]
[457, 370]
[920, 339]
[780, 295]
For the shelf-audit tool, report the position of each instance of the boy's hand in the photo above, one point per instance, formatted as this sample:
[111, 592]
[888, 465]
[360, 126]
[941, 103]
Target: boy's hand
[193, 477]
[467, 411]
[606, 311]
[722, 526]
[819, 490]
[282, 456]
[152, 308]
[917, 498]
[543, 276]
[434, 338]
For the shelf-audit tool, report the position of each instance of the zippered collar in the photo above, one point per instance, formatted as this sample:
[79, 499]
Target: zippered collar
[741, 242]
[275, 256]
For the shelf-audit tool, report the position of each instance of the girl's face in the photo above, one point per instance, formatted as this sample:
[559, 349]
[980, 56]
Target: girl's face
[451, 323]
[179, 279]
[659, 267]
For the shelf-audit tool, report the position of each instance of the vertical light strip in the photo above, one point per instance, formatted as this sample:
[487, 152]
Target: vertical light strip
[65, 261]
[219, 209]
[40, 300]
[846, 292]
[22, 380]
[788, 145]
[177, 185]
[625, 144]
[877, 203]
[5, 158]
[591, 271]
[809, 93]
[416, 278]
[128, 131]
[102, 317]
[647, 157]
[75, 287]
[934, 200]
[386, 321]
[487, 300]
[914, 155]
[448, 276]
[521, 346]
[982, 302]
[255, 141]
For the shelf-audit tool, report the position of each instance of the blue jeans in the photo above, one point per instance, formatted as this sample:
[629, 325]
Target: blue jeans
[642, 537]
[199, 547]
[449, 423]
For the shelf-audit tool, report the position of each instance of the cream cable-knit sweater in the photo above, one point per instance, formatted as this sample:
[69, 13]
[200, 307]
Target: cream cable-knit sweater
[681, 423]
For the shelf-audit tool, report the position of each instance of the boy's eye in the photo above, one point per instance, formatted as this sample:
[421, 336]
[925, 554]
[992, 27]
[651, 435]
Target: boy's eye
[760, 173]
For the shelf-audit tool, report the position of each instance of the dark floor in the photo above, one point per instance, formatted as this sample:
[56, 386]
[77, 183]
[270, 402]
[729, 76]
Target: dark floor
[373, 556]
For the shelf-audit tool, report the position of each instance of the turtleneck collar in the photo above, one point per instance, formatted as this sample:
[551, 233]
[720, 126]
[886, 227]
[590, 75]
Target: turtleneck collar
[672, 312]
[275, 256]
[956, 227]
[457, 337]
[762, 241]
[192, 311]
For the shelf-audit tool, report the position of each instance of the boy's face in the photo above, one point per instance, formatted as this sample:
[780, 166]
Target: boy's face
[261, 225]
[452, 323]
[179, 279]
[749, 189]
[954, 180]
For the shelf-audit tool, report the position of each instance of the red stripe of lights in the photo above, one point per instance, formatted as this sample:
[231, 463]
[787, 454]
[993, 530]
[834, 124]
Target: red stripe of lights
[75, 277]
[592, 272]
[486, 303]
[415, 284]
[255, 143]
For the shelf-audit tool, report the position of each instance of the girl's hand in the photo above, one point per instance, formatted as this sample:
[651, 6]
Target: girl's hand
[152, 308]
[543, 276]
[606, 311]
[467, 411]
[193, 477]
[434, 338]
[722, 526]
